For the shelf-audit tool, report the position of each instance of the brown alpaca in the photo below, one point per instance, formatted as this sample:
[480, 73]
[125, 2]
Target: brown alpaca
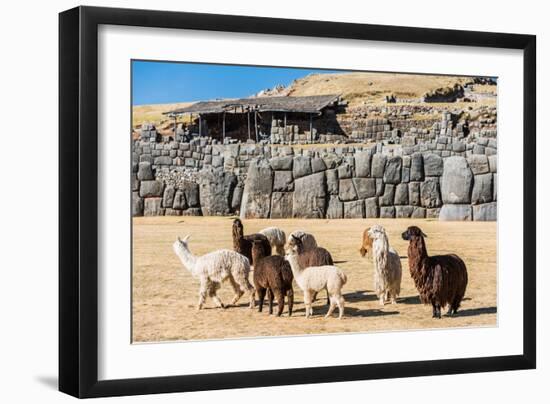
[441, 280]
[243, 244]
[314, 257]
[272, 275]
[366, 247]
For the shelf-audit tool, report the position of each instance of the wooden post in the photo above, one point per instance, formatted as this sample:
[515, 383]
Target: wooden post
[248, 122]
[311, 127]
[223, 126]
[256, 124]
[200, 125]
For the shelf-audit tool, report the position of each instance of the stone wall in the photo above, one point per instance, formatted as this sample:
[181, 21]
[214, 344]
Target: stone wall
[438, 179]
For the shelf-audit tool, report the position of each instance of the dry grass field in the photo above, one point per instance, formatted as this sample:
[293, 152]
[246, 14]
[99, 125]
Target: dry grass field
[165, 295]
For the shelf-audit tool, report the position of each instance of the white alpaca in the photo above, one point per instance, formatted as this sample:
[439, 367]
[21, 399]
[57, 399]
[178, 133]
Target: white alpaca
[313, 279]
[387, 266]
[276, 238]
[213, 268]
[307, 239]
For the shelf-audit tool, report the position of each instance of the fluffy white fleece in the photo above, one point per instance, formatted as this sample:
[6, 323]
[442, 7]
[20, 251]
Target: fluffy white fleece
[308, 240]
[213, 268]
[387, 266]
[277, 239]
[313, 279]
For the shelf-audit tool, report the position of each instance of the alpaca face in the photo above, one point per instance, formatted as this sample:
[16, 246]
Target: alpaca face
[412, 233]
[294, 245]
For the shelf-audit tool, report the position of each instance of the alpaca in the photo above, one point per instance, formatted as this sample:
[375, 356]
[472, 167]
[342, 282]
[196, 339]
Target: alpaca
[314, 279]
[277, 239]
[312, 257]
[387, 266]
[441, 280]
[307, 239]
[274, 275]
[243, 244]
[366, 246]
[214, 268]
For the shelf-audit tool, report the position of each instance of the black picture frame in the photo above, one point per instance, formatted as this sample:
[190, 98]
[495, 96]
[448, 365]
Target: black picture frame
[78, 201]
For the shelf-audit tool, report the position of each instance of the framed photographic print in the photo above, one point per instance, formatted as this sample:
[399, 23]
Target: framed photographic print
[250, 202]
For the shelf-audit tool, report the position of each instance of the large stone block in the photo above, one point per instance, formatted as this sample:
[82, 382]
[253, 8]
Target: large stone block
[388, 197]
[151, 188]
[392, 172]
[387, 212]
[347, 190]
[479, 163]
[378, 165]
[237, 198]
[335, 208]
[430, 196]
[362, 164]
[191, 191]
[354, 210]
[332, 181]
[482, 192]
[493, 163]
[283, 181]
[145, 171]
[216, 191]
[345, 171]
[417, 167]
[485, 212]
[418, 213]
[256, 200]
[317, 164]
[401, 194]
[281, 205]
[309, 196]
[152, 207]
[402, 212]
[281, 163]
[301, 166]
[495, 186]
[455, 213]
[168, 198]
[433, 213]
[163, 160]
[179, 200]
[456, 182]
[433, 165]
[371, 208]
[137, 204]
[365, 187]
[414, 193]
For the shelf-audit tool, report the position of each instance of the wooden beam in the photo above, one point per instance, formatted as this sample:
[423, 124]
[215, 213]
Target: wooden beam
[256, 124]
[248, 122]
[223, 126]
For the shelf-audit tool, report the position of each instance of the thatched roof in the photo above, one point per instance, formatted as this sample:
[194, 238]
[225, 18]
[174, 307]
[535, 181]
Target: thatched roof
[309, 104]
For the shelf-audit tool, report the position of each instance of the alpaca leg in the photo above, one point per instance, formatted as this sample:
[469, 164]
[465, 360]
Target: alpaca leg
[290, 301]
[202, 294]
[237, 289]
[434, 310]
[213, 295]
[381, 298]
[328, 297]
[261, 296]
[331, 307]
[340, 302]
[307, 302]
[270, 296]
[280, 296]
[314, 296]
[438, 310]
[393, 298]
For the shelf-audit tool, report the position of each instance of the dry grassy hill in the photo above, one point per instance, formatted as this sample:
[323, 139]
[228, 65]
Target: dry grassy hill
[357, 88]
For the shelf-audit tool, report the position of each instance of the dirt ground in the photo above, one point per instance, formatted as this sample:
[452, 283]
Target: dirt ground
[165, 294]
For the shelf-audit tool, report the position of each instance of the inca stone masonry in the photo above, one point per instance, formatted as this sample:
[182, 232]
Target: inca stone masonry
[421, 174]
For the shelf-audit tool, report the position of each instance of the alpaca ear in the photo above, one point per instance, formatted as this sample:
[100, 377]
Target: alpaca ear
[179, 239]
[423, 235]
[186, 238]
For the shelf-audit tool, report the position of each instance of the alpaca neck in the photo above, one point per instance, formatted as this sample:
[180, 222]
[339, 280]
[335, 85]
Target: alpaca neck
[237, 237]
[380, 256]
[296, 269]
[417, 253]
[187, 258]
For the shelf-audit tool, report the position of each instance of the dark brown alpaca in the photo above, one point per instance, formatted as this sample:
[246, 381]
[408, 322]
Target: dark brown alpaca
[441, 280]
[314, 257]
[273, 275]
[243, 244]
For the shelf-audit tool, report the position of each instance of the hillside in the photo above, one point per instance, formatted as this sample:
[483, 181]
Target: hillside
[357, 89]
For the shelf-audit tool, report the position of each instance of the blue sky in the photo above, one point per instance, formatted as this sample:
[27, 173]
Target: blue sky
[169, 82]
